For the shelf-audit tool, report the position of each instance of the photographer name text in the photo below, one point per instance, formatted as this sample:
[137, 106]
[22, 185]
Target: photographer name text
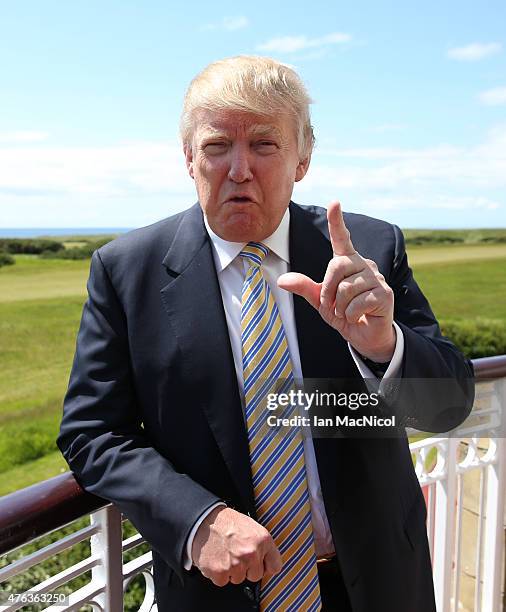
[334, 421]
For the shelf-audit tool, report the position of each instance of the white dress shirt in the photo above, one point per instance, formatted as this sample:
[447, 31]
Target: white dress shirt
[231, 270]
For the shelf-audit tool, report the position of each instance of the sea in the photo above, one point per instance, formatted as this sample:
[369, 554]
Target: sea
[39, 232]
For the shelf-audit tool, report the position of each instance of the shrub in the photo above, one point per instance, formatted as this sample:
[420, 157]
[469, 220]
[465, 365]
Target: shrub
[478, 337]
[84, 252]
[433, 239]
[74, 253]
[23, 441]
[6, 259]
[448, 237]
[31, 246]
[493, 239]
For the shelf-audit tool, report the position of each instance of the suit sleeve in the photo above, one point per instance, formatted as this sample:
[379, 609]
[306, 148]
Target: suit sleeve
[102, 437]
[436, 392]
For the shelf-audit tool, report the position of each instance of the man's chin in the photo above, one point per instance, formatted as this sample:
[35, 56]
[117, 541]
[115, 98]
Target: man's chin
[241, 227]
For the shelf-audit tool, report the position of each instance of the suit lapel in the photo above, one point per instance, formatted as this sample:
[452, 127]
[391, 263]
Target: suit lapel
[194, 305]
[310, 253]
[324, 354]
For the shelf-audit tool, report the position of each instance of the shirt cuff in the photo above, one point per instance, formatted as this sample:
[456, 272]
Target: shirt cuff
[394, 367]
[187, 561]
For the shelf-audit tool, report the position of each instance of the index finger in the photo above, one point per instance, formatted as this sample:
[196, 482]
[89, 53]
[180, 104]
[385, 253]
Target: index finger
[339, 234]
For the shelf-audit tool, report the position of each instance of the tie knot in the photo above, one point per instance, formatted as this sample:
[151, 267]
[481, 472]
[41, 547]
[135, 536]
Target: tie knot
[255, 253]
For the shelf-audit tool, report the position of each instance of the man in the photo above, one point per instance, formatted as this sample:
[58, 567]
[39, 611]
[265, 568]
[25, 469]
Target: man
[185, 321]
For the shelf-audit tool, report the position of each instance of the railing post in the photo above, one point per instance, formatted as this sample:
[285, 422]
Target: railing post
[108, 545]
[494, 512]
[444, 529]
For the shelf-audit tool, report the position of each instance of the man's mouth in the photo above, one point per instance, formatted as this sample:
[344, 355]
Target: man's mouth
[239, 199]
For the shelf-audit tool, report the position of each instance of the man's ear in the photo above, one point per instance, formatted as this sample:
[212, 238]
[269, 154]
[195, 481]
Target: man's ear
[188, 154]
[302, 168]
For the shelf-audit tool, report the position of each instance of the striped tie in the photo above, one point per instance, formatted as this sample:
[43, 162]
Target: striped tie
[277, 465]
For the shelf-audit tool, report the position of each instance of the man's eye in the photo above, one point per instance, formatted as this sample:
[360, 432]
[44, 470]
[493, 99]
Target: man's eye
[213, 148]
[266, 146]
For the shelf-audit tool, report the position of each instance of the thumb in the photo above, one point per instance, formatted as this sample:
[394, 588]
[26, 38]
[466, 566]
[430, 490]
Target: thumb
[301, 285]
[273, 563]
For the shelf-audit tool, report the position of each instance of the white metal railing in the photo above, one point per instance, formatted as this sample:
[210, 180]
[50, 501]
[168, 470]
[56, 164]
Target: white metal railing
[469, 466]
[110, 577]
[477, 450]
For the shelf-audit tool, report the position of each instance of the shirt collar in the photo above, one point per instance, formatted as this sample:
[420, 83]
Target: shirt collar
[226, 251]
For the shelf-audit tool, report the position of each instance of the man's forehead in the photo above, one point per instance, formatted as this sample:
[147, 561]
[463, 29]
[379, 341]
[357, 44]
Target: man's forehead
[207, 122]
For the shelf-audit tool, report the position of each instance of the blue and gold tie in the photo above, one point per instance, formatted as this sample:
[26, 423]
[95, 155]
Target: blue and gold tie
[277, 465]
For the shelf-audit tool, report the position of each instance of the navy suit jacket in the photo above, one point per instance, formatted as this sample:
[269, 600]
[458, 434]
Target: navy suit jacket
[153, 421]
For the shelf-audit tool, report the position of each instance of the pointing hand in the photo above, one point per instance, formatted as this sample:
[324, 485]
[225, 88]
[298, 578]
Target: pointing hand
[353, 297]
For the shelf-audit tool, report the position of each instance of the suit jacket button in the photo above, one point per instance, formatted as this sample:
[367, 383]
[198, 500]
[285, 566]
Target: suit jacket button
[250, 593]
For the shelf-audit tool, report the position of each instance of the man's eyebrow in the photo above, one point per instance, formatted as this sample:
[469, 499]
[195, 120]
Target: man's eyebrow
[210, 132]
[265, 130]
[258, 130]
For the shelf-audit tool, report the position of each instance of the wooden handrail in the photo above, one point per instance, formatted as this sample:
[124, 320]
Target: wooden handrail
[31, 512]
[490, 367]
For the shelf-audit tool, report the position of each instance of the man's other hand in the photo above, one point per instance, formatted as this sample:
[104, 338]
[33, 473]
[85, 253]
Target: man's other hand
[232, 547]
[353, 297]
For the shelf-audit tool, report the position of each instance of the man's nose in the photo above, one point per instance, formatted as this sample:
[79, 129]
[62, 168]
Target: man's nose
[240, 165]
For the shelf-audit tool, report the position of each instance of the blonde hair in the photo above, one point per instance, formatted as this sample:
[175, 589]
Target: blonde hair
[258, 85]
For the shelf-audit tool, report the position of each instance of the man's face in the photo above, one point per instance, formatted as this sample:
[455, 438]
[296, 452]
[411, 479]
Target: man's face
[244, 167]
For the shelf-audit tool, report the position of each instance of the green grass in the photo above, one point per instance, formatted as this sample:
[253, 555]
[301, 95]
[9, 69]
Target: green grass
[32, 472]
[465, 289]
[27, 439]
[418, 255]
[37, 342]
[40, 309]
[32, 278]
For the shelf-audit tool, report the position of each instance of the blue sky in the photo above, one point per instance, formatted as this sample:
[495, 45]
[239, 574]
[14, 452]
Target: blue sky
[409, 112]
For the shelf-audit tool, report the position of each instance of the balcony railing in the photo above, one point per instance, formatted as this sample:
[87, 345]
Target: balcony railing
[463, 477]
